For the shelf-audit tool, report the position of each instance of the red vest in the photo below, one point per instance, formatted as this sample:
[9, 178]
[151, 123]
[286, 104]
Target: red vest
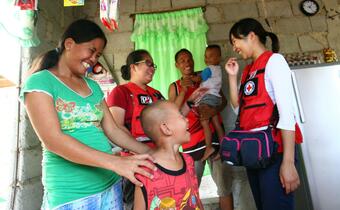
[140, 99]
[172, 189]
[196, 131]
[257, 107]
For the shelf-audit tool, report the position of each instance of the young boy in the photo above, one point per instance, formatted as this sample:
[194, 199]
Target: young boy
[211, 77]
[174, 184]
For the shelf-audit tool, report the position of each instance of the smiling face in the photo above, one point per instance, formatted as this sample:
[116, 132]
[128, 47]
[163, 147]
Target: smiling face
[79, 57]
[212, 56]
[177, 123]
[242, 46]
[143, 70]
[185, 63]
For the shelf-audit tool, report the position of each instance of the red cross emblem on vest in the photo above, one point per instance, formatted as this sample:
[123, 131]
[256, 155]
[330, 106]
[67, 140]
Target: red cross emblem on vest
[249, 88]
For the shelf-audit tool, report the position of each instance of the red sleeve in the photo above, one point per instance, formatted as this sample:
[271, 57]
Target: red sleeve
[143, 178]
[116, 97]
[120, 96]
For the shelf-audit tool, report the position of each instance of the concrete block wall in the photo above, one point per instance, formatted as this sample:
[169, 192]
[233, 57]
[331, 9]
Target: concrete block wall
[297, 33]
[52, 19]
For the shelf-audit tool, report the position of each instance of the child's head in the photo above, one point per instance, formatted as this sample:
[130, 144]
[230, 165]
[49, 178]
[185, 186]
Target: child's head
[163, 119]
[248, 32]
[212, 55]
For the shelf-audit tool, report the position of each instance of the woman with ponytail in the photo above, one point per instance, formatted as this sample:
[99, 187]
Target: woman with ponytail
[266, 88]
[74, 124]
[127, 101]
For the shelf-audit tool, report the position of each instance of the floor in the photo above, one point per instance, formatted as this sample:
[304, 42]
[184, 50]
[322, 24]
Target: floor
[243, 199]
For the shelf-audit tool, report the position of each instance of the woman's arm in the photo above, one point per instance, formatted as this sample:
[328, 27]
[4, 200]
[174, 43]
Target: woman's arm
[118, 115]
[177, 99]
[288, 174]
[41, 111]
[119, 136]
[280, 88]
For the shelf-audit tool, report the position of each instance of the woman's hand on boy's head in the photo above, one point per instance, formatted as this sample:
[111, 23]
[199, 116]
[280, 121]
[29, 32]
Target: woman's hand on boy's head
[131, 165]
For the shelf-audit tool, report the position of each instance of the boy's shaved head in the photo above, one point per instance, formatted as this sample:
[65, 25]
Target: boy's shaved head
[153, 115]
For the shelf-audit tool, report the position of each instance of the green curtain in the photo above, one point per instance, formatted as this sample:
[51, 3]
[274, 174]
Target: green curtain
[163, 34]
[18, 23]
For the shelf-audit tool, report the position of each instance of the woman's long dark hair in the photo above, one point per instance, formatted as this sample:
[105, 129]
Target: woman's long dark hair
[80, 31]
[243, 27]
[133, 57]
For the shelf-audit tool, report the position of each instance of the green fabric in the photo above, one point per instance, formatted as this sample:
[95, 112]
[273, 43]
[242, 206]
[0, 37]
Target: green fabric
[80, 118]
[164, 34]
[18, 23]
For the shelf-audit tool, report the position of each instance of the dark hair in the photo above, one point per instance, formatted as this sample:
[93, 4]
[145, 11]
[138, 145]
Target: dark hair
[215, 46]
[133, 57]
[243, 27]
[80, 31]
[183, 50]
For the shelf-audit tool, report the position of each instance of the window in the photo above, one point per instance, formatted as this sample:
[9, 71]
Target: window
[10, 67]
[163, 34]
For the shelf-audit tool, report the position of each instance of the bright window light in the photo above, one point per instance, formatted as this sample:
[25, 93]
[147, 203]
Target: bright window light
[10, 67]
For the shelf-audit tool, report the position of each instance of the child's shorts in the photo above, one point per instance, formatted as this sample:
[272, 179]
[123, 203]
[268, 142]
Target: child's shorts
[211, 100]
[109, 199]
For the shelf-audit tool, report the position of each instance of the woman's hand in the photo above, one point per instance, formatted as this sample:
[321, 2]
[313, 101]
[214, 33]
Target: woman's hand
[196, 78]
[185, 83]
[289, 177]
[197, 94]
[130, 165]
[232, 67]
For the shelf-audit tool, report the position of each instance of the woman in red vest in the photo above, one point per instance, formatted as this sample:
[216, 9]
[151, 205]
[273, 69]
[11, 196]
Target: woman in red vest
[127, 101]
[266, 83]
